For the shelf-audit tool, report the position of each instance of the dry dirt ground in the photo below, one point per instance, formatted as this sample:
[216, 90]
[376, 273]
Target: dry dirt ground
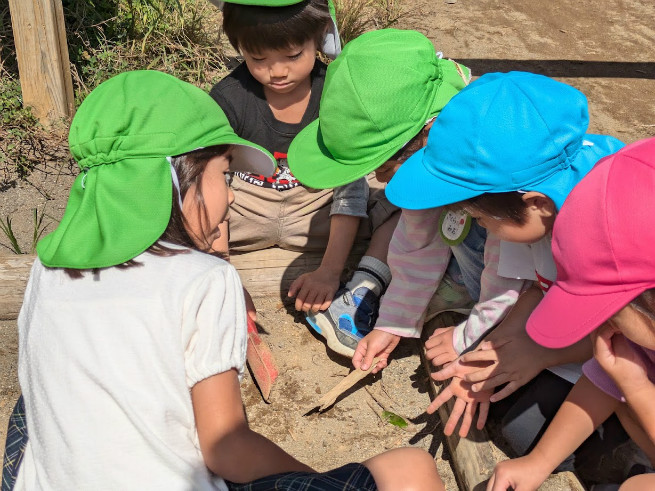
[602, 47]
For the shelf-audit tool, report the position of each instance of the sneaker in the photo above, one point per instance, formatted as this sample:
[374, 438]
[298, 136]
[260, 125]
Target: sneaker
[349, 318]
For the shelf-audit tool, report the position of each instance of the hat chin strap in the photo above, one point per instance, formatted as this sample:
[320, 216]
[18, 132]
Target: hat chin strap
[176, 182]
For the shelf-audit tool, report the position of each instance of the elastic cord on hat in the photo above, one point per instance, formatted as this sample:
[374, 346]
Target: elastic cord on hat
[176, 182]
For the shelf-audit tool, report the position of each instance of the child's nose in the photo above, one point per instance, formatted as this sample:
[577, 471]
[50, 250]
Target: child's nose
[230, 196]
[279, 70]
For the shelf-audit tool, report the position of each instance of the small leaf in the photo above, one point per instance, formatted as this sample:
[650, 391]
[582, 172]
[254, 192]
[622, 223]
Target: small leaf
[394, 419]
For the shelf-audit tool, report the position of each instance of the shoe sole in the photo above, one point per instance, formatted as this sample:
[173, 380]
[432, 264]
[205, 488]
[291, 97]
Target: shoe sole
[330, 337]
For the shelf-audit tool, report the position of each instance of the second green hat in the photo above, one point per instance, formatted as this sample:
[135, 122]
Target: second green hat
[378, 94]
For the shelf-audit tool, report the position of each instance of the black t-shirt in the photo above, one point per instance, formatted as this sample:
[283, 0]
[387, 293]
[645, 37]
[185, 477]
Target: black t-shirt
[242, 99]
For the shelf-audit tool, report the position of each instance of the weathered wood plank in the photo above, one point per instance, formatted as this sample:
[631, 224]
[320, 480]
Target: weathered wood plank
[264, 273]
[42, 54]
[475, 456]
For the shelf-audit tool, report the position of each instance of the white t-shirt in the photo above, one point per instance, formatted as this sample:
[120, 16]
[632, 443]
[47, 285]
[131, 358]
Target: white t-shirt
[535, 262]
[106, 364]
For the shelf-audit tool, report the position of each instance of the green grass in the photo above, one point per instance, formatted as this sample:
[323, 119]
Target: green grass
[38, 228]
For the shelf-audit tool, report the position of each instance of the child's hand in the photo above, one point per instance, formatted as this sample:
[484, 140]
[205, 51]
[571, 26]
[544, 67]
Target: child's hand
[375, 343]
[466, 404]
[315, 290]
[250, 305]
[618, 358]
[514, 361]
[522, 474]
[439, 346]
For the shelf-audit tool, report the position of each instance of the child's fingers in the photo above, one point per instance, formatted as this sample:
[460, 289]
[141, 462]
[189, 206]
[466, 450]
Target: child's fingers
[368, 358]
[310, 300]
[455, 369]
[490, 483]
[449, 371]
[438, 357]
[382, 363]
[319, 301]
[467, 419]
[360, 352]
[455, 415]
[296, 285]
[489, 355]
[505, 391]
[441, 398]
[326, 302]
[481, 375]
[490, 382]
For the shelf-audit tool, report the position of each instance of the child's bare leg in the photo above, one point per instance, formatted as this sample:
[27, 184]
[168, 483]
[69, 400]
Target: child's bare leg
[405, 468]
[379, 245]
[636, 432]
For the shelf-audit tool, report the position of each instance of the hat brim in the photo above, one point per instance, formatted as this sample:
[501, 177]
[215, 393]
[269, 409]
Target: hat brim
[415, 188]
[312, 163]
[248, 157]
[562, 318]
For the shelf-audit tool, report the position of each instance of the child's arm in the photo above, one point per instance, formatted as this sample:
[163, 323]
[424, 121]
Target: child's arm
[315, 290]
[229, 447]
[585, 408]
[418, 258]
[497, 296]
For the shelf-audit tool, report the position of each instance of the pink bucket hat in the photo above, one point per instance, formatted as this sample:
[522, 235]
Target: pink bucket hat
[603, 247]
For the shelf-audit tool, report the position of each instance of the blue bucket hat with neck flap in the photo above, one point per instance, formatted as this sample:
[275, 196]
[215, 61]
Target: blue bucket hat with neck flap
[504, 132]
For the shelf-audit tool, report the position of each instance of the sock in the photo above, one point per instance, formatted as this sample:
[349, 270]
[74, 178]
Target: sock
[371, 273]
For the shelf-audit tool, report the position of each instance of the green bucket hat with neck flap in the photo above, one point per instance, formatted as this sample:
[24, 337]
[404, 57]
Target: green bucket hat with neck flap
[121, 136]
[378, 94]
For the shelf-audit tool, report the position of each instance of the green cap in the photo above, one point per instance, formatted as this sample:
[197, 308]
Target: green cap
[121, 136]
[378, 94]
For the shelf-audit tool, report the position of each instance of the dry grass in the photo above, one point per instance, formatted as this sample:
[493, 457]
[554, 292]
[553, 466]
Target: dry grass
[354, 17]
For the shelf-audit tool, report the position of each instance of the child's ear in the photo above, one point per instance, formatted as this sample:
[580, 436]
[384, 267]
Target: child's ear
[540, 203]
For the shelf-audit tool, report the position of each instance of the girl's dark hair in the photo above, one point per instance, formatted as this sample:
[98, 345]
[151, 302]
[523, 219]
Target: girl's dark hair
[189, 168]
[505, 206]
[411, 147]
[255, 28]
[645, 303]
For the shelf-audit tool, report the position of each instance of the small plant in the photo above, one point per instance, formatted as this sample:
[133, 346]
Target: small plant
[9, 232]
[38, 230]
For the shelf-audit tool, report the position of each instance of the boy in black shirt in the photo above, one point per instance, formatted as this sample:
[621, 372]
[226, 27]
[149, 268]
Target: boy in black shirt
[268, 99]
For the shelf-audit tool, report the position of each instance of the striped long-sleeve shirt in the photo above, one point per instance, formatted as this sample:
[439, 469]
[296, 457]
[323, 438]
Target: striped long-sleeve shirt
[418, 259]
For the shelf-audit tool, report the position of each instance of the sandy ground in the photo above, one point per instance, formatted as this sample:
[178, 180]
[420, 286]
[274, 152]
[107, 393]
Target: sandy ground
[603, 48]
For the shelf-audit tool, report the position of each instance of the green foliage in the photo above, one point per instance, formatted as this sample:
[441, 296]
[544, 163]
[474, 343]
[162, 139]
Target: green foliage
[106, 37]
[394, 419]
[19, 143]
[38, 230]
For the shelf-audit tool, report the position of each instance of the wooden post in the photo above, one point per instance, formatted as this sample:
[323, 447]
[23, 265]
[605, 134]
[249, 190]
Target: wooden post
[42, 53]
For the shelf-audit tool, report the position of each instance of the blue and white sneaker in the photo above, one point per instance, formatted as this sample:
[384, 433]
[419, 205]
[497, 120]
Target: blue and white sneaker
[349, 318]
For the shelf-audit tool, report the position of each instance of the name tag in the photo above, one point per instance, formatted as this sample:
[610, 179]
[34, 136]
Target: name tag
[454, 226]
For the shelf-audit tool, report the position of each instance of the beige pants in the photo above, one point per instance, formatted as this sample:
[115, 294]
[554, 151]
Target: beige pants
[297, 219]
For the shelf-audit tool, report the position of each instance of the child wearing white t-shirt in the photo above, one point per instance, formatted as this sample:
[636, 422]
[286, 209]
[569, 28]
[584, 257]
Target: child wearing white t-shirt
[132, 340]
